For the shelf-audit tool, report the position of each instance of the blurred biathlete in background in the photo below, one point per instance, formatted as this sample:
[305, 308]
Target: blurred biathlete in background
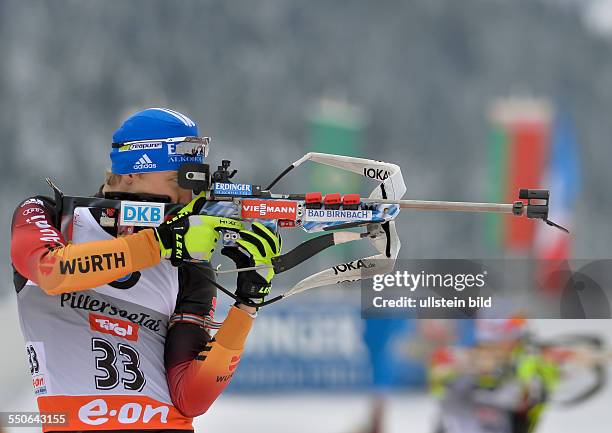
[498, 386]
[117, 337]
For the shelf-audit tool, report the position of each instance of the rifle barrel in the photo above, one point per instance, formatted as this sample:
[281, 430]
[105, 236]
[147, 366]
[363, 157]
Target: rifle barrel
[457, 206]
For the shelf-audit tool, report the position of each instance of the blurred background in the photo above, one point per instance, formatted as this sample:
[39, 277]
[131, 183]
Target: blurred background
[472, 98]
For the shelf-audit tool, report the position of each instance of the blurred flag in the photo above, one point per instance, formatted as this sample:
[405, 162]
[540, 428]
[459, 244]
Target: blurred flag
[553, 247]
[335, 126]
[518, 149]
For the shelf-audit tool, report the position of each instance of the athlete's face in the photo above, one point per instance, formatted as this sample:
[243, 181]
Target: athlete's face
[161, 183]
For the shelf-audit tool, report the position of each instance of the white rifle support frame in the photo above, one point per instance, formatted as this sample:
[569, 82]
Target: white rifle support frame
[385, 240]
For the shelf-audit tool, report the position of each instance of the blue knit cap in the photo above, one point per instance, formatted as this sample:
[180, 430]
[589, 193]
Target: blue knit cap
[146, 142]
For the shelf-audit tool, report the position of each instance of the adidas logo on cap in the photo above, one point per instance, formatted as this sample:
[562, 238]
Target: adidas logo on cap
[144, 162]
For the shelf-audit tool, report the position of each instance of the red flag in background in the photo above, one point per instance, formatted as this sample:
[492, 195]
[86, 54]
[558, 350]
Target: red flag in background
[527, 158]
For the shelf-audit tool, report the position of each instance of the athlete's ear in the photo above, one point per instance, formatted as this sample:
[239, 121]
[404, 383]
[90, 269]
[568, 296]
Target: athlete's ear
[129, 179]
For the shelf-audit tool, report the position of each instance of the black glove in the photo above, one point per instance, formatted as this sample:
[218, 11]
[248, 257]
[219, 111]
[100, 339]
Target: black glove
[255, 247]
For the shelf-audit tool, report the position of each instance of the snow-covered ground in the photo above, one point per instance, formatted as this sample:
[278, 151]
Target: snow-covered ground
[404, 413]
[339, 413]
[333, 413]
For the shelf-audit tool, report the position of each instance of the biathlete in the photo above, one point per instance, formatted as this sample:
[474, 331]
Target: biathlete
[499, 386]
[119, 338]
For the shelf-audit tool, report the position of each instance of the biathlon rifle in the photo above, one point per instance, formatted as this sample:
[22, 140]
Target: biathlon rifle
[332, 214]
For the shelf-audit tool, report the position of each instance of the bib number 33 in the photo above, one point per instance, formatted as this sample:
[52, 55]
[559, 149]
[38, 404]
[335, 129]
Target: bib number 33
[132, 377]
